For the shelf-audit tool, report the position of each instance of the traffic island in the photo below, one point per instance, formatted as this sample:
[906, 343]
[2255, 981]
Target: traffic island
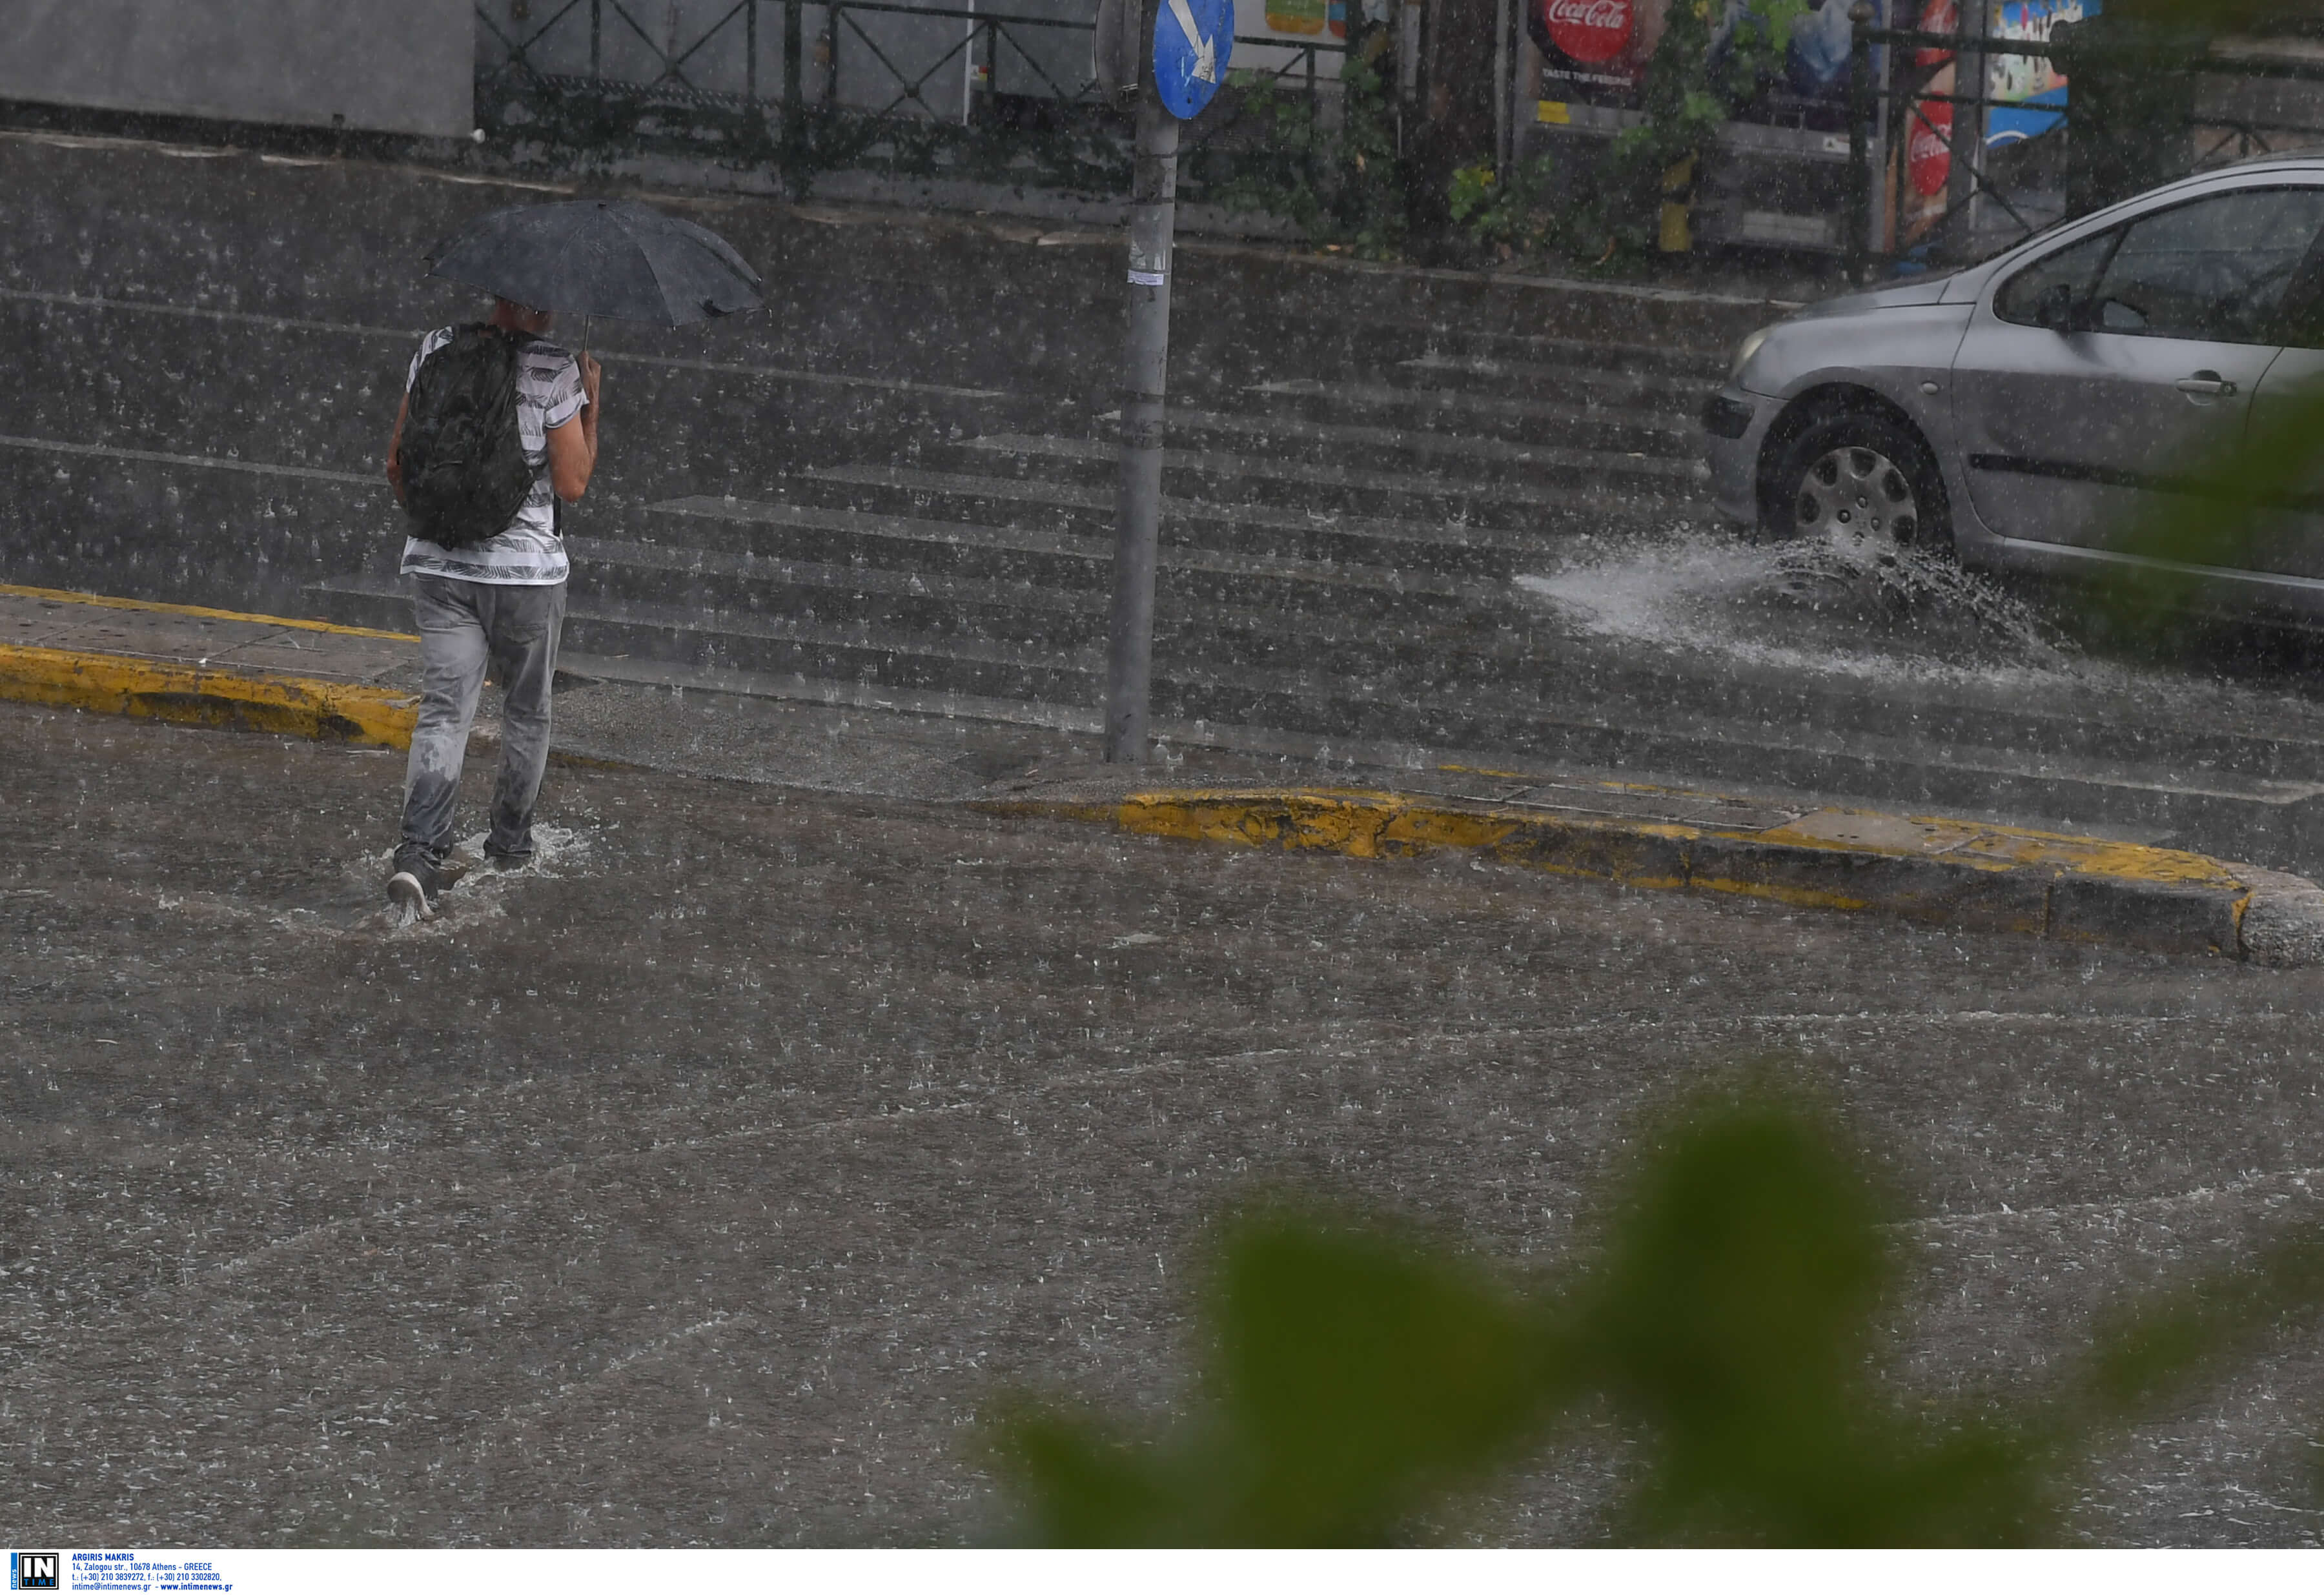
[193, 665]
[315, 679]
[1959, 874]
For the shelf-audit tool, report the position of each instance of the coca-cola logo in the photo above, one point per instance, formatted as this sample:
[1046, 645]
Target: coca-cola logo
[1929, 153]
[1590, 29]
[1938, 16]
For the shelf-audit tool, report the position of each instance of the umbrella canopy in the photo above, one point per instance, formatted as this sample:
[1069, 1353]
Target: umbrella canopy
[600, 257]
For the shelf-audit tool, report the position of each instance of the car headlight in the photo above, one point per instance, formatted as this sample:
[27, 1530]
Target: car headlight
[1744, 351]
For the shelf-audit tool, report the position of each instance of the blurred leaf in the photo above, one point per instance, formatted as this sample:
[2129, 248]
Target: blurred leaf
[1082, 1485]
[1742, 1275]
[2155, 1350]
[1358, 1377]
[1736, 1317]
[2217, 525]
[1361, 1374]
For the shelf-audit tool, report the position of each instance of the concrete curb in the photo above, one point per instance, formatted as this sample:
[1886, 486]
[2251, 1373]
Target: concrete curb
[1959, 873]
[1950, 872]
[197, 665]
[246, 700]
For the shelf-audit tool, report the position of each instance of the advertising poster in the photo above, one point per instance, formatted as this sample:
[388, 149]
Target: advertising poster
[2028, 94]
[1926, 152]
[1594, 53]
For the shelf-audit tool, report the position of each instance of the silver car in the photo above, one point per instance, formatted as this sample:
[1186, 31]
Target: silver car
[2025, 411]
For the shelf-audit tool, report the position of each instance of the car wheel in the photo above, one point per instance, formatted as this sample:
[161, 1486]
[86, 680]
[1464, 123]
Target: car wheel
[1861, 474]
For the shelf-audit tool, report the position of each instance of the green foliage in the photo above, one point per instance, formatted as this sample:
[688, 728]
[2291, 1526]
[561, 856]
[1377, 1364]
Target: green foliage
[2238, 498]
[1342, 185]
[1521, 215]
[1734, 1321]
[1685, 93]
[1359, 1376]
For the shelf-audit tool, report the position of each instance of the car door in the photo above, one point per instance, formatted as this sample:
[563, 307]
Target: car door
[2287, 524]
[2120, 368]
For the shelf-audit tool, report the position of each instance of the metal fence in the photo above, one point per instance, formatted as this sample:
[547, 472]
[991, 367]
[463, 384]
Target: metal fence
[1928, 185]
[801, 87]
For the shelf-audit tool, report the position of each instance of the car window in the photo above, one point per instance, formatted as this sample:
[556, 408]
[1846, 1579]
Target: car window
[2217, 269]
[2076, 266]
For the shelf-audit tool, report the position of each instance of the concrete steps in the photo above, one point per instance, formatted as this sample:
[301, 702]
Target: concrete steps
[1338, 552]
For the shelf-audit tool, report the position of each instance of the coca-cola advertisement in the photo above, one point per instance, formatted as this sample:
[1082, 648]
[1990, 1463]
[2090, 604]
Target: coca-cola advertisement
[1594, 53]
[1928, 143]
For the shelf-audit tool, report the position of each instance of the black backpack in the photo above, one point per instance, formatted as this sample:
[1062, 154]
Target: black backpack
[465, 474]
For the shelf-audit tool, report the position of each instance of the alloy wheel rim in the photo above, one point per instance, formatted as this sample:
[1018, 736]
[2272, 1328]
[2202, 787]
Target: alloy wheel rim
[1860, 491]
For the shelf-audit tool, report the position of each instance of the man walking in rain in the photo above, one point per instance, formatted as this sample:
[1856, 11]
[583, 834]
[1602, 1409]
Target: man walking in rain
[499, 600]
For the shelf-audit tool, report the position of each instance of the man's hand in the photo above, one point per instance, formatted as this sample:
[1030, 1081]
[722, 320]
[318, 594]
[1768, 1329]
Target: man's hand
[592, 373]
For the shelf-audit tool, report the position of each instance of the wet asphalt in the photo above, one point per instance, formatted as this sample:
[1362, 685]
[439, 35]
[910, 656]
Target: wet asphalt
[699, 1185]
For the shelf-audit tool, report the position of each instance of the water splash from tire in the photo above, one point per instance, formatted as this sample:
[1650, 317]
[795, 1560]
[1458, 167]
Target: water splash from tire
[1834, 603]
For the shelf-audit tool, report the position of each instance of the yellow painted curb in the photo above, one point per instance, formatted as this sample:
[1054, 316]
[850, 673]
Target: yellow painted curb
[1956, 873]
[111, 684]
[148, 606]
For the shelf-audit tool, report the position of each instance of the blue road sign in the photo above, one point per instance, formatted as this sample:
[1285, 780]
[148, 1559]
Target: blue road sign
[1192, 41]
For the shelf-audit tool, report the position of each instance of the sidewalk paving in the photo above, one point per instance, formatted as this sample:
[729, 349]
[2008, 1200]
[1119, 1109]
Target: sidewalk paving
[347, 684]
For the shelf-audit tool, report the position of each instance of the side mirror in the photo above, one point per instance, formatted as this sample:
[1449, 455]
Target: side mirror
[2055, 308]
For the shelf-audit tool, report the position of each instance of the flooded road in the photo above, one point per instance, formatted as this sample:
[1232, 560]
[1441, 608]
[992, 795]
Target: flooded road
[697, 1187]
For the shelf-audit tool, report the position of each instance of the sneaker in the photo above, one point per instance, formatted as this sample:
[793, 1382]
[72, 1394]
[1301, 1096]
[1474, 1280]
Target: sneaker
[415, 888]
[504, 863]
[405, 893]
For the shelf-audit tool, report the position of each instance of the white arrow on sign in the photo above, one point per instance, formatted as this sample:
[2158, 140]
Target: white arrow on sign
[1206, 53]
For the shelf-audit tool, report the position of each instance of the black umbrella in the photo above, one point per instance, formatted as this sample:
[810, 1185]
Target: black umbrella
[600, 257]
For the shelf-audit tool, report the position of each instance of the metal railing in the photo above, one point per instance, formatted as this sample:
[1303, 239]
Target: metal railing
[801, 87]
[1982, 207]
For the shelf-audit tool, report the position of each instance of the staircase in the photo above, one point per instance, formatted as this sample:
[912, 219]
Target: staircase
[1341, 532]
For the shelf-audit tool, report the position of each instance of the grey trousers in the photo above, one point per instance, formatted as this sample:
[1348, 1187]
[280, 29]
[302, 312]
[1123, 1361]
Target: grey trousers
[463, 625]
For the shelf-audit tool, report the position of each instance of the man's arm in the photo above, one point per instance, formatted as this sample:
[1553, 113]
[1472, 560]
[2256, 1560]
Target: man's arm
[395, 450]
[573, 447]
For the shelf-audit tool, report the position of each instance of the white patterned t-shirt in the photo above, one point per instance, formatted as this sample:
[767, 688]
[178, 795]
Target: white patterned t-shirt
[530, 553]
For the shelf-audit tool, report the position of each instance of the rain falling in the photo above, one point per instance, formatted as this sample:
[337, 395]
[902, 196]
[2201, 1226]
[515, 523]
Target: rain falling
[1215, 772]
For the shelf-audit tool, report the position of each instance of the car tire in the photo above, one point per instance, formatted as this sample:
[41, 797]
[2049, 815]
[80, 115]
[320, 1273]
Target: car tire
[1863, 472]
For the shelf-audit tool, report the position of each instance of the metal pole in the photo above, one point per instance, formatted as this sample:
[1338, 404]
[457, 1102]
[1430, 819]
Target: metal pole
[1153, 214]
[596, 36]
[1504, 89]
[794, 96]
[1968, 141]
[968, 63]
[1860, 17]
[750, 53]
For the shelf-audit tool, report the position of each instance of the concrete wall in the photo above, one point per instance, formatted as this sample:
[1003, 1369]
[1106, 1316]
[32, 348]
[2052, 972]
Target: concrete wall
[389, 66]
